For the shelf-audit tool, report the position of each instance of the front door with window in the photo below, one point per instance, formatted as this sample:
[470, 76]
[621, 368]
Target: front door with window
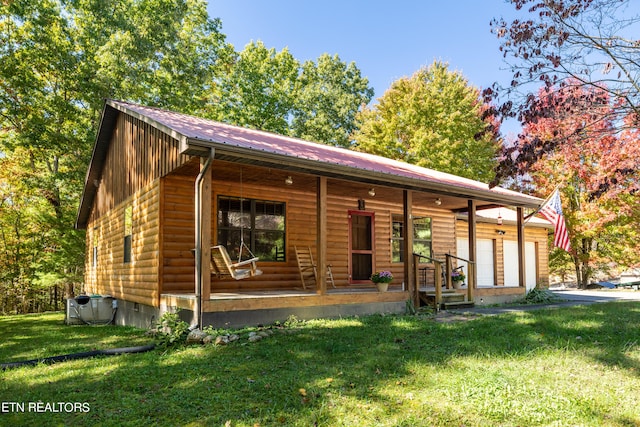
[361, 251]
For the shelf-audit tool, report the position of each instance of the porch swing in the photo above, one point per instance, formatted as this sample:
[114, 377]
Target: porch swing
[221, 262]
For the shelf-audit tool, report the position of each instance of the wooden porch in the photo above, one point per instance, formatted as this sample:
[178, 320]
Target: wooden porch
[238, 309]
[268, 299]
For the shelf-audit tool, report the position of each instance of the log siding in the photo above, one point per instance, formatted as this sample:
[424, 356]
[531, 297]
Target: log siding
[137, 280]
[537, 235]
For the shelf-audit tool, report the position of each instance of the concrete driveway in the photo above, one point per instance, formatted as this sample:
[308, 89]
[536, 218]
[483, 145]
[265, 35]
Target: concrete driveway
[567, 298]
[579, 295]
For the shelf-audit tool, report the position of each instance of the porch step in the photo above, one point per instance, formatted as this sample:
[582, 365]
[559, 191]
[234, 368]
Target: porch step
[456, 304]
[451, 299]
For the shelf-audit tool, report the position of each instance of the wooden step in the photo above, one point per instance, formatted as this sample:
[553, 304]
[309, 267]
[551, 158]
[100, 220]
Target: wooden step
[456, 304]
[451, 299]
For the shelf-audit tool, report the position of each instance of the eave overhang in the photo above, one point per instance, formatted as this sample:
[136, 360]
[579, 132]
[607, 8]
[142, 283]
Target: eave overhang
[236, 154]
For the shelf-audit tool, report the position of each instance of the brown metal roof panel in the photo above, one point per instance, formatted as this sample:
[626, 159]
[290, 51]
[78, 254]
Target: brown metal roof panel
[202, 130]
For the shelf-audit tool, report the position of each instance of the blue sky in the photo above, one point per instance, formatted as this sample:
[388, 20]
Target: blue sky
[386, 39]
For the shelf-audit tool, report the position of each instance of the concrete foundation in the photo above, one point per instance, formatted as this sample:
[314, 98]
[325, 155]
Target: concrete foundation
[483, 300]
[146, 317]
[237, 319]
[138, 315]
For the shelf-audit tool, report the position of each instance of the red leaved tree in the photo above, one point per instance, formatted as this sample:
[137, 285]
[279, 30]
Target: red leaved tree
[580, 51]
[599, 202]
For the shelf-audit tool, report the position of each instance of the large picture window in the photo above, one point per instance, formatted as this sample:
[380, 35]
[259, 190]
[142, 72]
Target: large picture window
[262, 224]
[421, 237]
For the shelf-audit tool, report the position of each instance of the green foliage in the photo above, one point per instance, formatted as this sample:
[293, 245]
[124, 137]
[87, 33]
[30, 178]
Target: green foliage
[330, 94]
[293, 321]
[259, 89]
[432, 119]
[269, 90]
[58, 61]
[538, 296]
[171, 330]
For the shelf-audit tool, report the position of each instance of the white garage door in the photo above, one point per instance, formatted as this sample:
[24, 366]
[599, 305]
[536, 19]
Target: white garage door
[511, 263]
[485, 262]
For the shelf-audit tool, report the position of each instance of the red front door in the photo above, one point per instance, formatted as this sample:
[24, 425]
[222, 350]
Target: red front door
[361, 246]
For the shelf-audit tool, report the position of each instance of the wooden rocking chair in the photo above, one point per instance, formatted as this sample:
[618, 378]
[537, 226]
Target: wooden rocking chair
[308, 269]
[222, 265]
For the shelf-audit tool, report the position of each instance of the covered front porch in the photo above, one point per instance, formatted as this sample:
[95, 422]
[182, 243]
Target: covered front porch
[355, 228]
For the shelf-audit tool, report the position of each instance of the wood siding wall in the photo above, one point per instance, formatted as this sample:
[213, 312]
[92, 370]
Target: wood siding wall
[178, 261]
[144, 169]
[538, 235]
[138, 154]
[135, 281]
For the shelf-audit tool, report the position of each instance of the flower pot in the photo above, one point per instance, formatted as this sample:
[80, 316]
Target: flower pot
[382, 287]
[457, 284]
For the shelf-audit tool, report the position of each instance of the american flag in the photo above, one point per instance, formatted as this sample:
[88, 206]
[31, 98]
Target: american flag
[552, 210]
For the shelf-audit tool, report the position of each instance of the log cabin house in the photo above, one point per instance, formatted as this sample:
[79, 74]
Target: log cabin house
[163, 188]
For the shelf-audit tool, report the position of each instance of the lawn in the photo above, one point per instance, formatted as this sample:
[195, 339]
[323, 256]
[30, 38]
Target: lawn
[576, 366]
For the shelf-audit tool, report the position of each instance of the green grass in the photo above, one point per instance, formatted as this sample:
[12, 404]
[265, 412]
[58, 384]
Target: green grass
[575, 366]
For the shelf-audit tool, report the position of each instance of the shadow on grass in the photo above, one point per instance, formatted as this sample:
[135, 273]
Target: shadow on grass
[41, 335]
[321, 373]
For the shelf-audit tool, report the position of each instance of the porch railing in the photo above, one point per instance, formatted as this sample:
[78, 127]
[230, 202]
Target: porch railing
[447, 265]
[437, 266]
[471, 266]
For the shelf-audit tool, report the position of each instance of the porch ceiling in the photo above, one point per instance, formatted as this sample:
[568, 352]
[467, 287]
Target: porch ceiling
[253, 173]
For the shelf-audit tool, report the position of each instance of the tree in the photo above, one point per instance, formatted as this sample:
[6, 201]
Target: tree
[432, 119]
[258, 91]
[586, 44]
[329, 95]
[269, 90]
[602, 229]
[164, 53]
[59, 59]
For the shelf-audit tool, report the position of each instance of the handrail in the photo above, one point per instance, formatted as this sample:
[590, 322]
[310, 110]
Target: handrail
[471, 265]
[461, 259]
[426, 257]
[448, 270]
[438, 277]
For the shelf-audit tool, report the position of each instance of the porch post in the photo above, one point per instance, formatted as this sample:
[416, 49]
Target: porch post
[522, 279]
[321, 234]
[409, 270]
[473, 252]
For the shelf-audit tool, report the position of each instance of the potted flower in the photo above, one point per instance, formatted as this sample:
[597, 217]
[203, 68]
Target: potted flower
[457, 277]
[382, 279]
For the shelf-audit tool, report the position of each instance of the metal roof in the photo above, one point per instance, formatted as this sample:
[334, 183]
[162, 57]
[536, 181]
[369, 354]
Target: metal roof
[198, 135]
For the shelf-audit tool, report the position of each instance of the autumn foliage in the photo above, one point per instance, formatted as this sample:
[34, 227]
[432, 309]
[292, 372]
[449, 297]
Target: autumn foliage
[595, 168]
